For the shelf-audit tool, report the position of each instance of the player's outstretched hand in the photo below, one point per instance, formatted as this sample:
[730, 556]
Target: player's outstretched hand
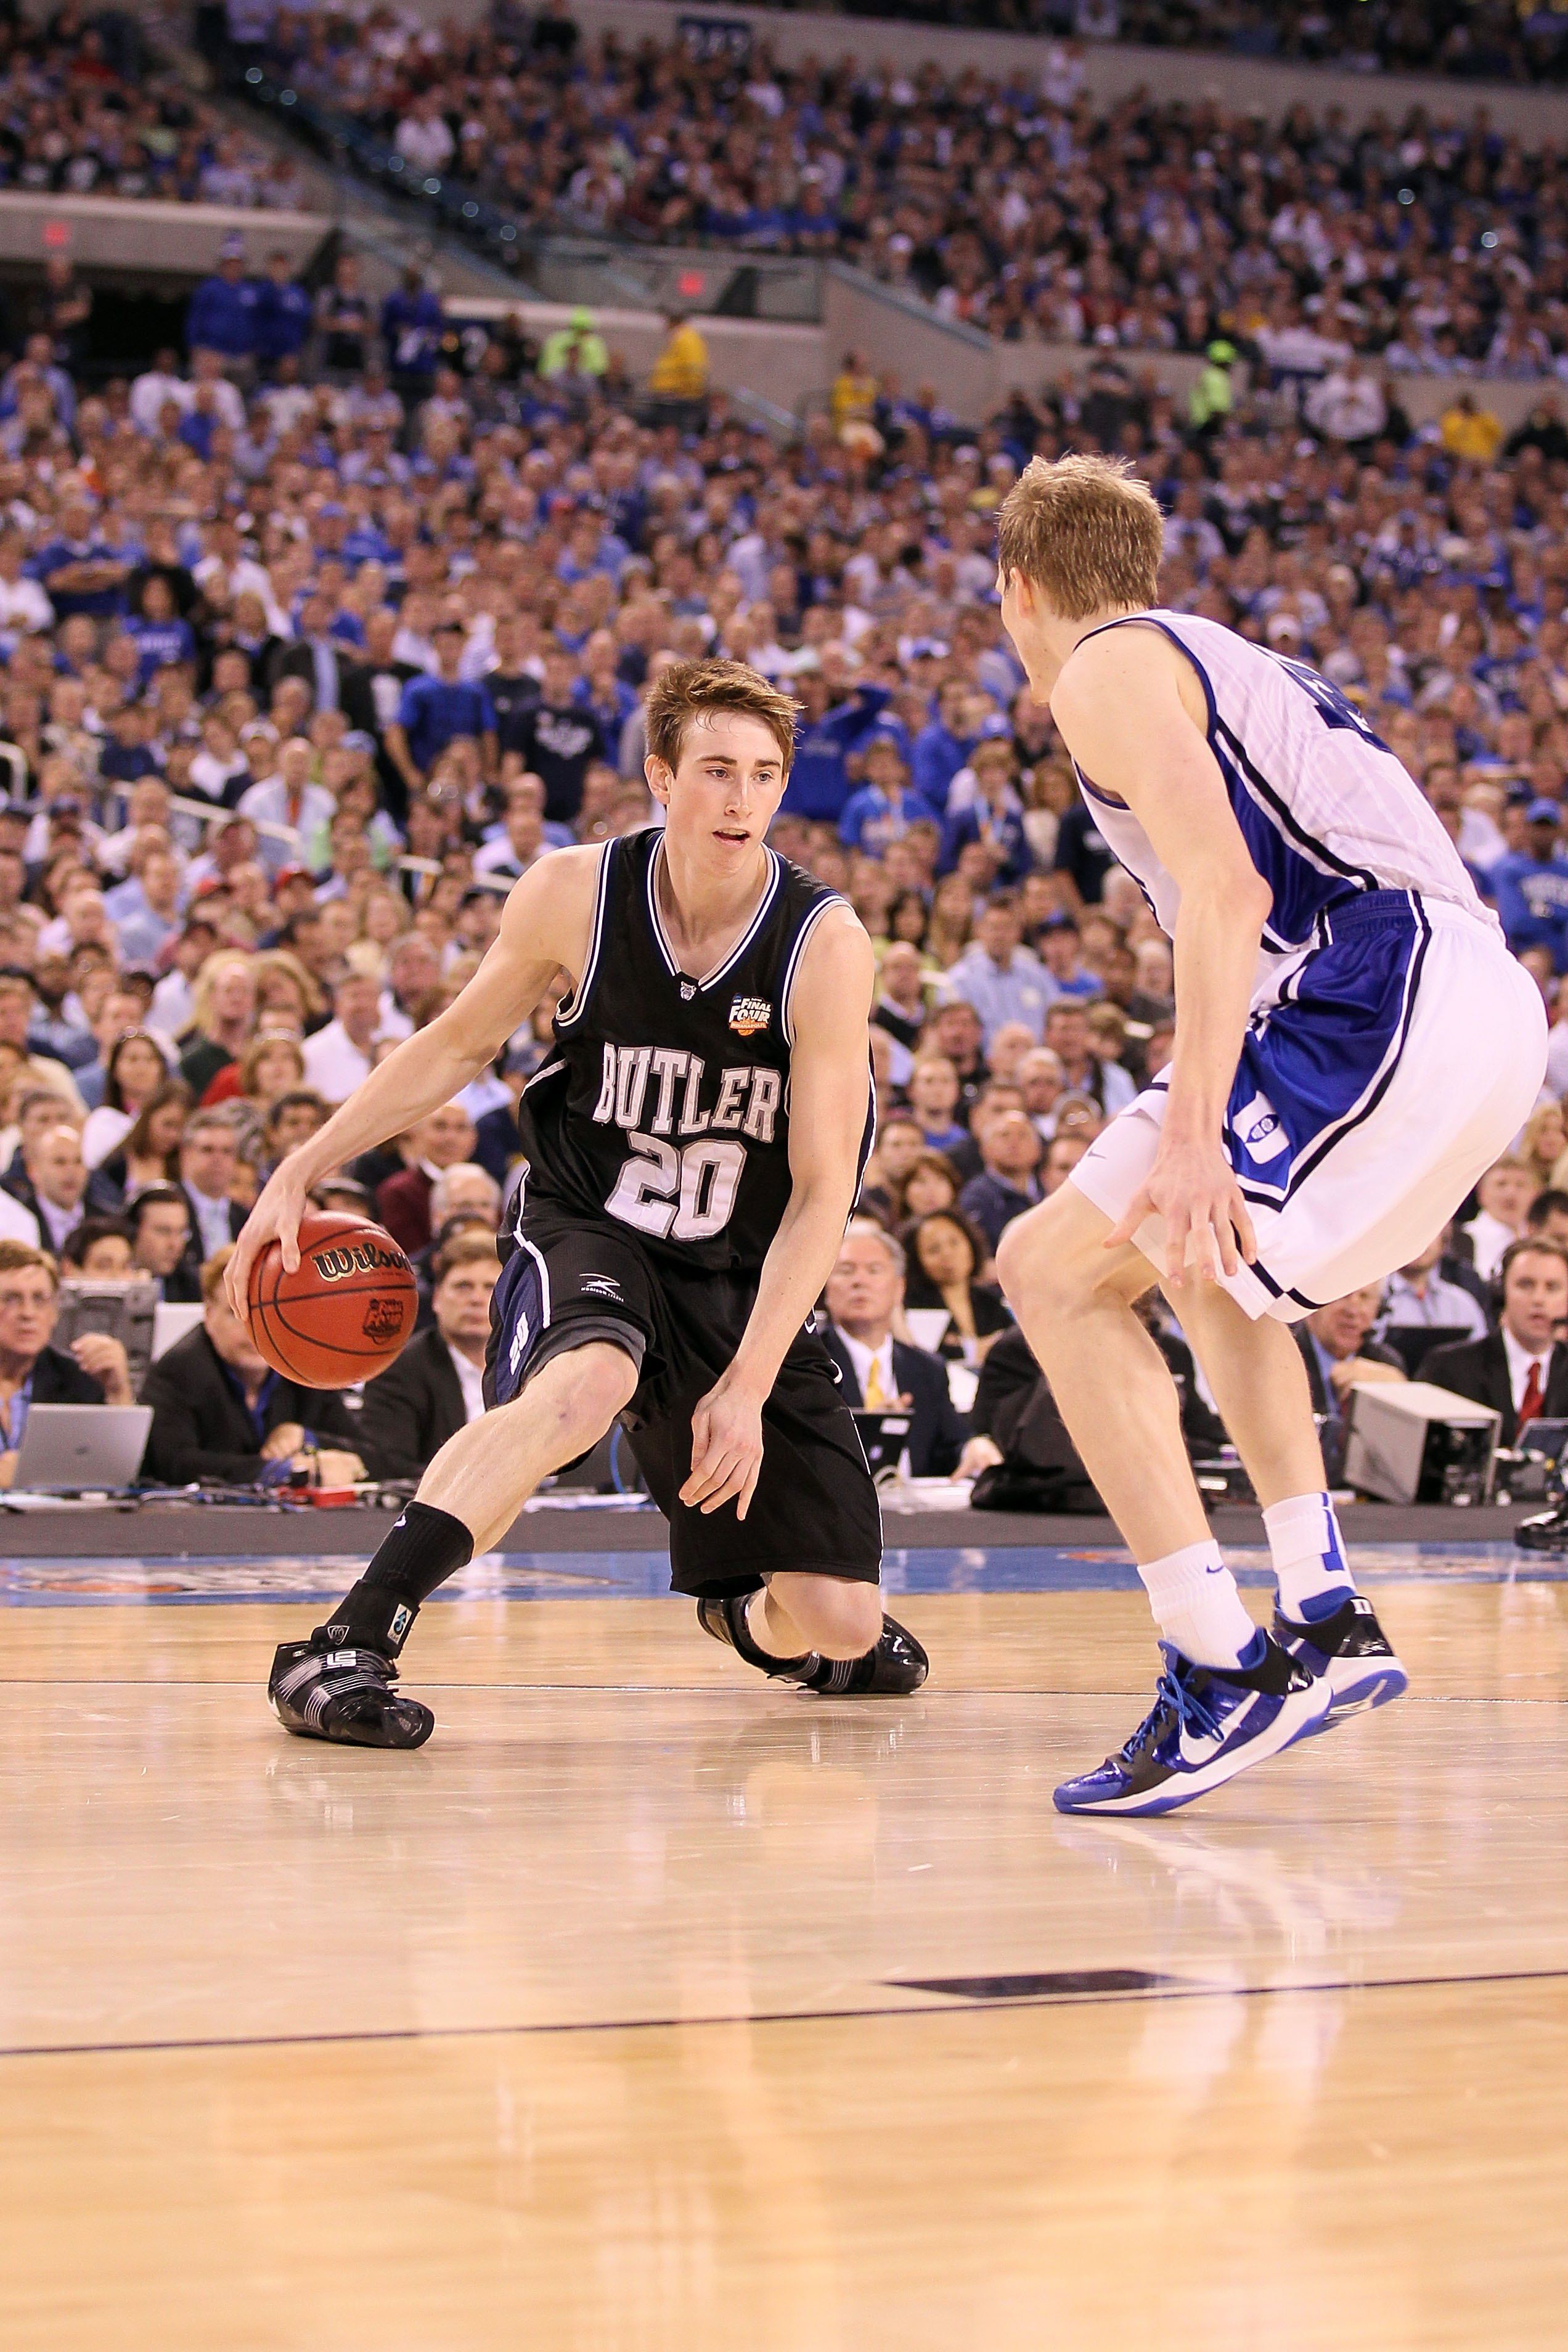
[281, 1205]
[1209, 1229]
[726, 1449]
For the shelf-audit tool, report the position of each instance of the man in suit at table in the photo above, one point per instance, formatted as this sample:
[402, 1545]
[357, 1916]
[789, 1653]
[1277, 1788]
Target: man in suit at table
[1338, 1350]
[864, 1294]
[436, 1385]
[1520, 1369]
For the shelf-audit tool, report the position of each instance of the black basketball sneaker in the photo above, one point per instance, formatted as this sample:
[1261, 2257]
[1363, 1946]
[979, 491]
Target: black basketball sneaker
[893, 1668]
[322, 1692]
[1349, 1653]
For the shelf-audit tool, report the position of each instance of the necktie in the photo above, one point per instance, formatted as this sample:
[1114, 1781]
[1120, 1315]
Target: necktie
[877, 1395]
[1531, 1408]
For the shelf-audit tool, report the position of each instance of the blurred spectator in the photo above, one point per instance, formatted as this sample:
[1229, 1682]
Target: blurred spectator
[34, 1372]
[221, 1417]
[863, 1297]
[436, 1386]
[945, 1257]
[403, 1202]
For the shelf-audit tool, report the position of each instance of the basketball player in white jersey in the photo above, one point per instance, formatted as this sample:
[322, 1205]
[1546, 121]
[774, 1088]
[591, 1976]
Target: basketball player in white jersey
[1354, 1045]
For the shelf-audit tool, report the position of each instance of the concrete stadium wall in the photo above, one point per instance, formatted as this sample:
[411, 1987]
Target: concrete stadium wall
[117, 233]
[1111, 69]
[793, 366]
[787, 365]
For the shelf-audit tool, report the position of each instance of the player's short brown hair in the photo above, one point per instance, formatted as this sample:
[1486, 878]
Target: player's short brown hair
[1086, 532]
[689, 690]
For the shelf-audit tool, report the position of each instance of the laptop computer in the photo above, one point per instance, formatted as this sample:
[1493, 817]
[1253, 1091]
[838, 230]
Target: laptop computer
[885, 1436]
[1413, 1342]
[66, 1447]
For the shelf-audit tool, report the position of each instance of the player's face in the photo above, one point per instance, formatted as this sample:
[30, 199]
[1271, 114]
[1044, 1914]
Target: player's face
[725, 792]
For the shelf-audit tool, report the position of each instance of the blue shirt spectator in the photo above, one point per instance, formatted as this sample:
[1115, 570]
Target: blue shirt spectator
[1531, 885]
[284, 313]
[819, 783]
[999, 977]
[871, 819]
[225, 308]
[412, 324]
[434, 710]
[945, 745]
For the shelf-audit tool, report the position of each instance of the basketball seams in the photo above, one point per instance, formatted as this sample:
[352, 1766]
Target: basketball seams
[288, 1343]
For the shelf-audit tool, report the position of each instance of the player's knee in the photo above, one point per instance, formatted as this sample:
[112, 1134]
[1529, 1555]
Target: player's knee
[841, 1620]
[596, 1382]
[1038, 1263]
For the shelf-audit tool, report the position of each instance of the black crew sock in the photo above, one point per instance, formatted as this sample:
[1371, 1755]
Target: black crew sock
[422, 1548]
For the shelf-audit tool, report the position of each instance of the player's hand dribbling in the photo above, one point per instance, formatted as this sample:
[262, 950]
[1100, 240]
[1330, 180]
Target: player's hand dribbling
[1208, 1230]
[726, 1448]
[279, 1206]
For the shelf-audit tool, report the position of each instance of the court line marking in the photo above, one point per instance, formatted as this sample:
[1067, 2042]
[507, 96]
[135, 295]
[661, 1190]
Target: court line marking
[955, 2005]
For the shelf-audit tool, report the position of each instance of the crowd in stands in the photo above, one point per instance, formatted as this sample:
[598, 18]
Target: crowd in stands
[1481, 40]
[1414, 241]
[84, 110]
[305, 662]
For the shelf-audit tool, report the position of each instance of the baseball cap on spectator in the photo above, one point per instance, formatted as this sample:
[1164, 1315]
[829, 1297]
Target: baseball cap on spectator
[1543, 812]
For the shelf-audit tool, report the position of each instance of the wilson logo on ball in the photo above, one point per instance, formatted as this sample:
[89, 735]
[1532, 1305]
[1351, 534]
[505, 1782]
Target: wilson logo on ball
[361, 1257]
[383, 1320]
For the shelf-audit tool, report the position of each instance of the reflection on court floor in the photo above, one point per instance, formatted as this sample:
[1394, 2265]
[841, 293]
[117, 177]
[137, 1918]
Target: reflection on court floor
[560, 1576]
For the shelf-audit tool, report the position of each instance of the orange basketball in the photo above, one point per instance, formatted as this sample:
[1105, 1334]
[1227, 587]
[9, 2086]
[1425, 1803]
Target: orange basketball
[344, 1313]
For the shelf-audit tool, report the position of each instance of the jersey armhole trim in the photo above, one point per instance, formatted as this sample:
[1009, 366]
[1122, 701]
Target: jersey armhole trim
[571, 1012]
[787, 994]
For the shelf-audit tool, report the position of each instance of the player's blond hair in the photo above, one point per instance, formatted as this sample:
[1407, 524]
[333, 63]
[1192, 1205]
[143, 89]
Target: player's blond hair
[690, 690]
[1086, 532]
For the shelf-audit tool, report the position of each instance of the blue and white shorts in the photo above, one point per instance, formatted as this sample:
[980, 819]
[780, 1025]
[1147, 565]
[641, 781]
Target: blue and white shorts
[1388, 1070]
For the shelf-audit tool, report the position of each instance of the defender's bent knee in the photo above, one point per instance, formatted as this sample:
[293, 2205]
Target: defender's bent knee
[840, 1619]
[1054, 1259]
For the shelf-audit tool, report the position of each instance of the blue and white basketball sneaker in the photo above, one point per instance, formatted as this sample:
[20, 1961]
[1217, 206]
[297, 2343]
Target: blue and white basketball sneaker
[1206, 1725]
[1348, 1653]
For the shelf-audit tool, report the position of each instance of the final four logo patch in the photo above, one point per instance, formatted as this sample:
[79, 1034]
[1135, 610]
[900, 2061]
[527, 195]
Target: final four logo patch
[750, 1013]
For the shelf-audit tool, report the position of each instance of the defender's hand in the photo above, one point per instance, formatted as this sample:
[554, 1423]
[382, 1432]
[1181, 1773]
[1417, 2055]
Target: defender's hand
[726, 1449]
[1208, 1230]
[276, 1215]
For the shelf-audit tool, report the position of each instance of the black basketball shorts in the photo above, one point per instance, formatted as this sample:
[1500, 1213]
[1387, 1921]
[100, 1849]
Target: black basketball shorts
[572, 1279]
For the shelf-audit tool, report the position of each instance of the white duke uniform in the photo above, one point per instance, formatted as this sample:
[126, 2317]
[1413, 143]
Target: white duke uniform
[1394, 1049]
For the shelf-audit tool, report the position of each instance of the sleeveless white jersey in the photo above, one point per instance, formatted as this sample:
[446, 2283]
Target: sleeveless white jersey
[1326, 810]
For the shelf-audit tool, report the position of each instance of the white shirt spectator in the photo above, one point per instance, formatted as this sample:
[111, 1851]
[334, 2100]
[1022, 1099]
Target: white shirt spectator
[470, 1380]
[151, 395]
[335, 1065]
[16, 1224]
[105, 1131]
[427, 145]
[24, 606]
[1520, 1361]
[1490, 1237]
[1348, 405]
[863, 1357]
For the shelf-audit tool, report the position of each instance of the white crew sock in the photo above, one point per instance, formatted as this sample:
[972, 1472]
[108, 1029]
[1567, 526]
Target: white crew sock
[1198, 1606]
[1308, 1557]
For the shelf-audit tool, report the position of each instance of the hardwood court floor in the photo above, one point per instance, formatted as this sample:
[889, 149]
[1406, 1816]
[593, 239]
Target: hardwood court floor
[607, 2022]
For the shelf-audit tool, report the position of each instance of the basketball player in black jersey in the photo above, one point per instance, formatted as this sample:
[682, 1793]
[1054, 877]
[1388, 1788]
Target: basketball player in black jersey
[694, 1143]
